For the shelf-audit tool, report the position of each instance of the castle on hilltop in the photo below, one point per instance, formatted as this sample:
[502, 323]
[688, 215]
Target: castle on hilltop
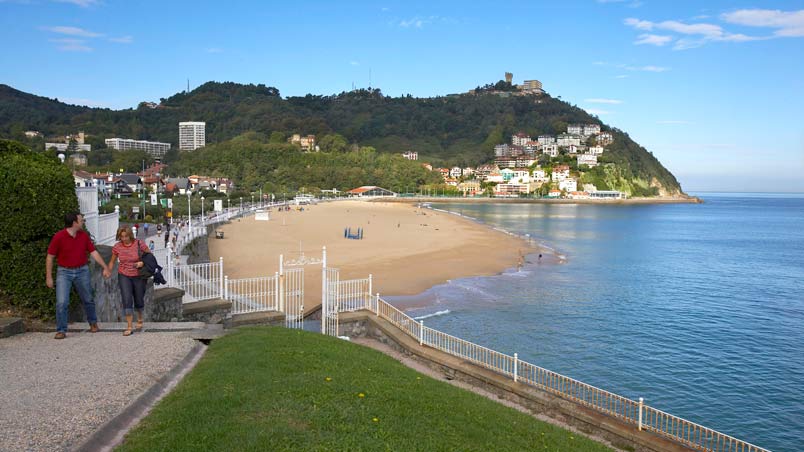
[527, 88]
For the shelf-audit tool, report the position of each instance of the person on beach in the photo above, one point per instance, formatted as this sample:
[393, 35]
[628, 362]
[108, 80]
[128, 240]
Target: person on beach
[132, 288]
[69, 247]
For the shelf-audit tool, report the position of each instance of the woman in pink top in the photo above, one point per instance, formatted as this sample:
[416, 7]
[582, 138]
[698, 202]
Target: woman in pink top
[132, 287]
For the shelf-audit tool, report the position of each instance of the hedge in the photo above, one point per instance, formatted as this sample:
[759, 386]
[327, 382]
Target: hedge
[36, 191]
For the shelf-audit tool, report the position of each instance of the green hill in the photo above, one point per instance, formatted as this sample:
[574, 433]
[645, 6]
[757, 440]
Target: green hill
[454, 130]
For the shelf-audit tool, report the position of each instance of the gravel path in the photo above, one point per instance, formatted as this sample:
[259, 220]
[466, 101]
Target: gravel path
[55, 393]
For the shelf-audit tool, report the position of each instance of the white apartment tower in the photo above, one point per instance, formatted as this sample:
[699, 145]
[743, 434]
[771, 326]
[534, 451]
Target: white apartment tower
[192, 135]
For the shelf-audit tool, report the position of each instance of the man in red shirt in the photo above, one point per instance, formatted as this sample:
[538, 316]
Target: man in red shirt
[70, 247]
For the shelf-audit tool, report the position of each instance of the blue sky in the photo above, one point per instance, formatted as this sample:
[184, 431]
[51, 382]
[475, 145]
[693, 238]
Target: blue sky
[714, 89]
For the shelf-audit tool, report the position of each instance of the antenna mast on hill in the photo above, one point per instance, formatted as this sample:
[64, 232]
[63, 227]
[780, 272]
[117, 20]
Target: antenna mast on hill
[369, 79]
[188, 85]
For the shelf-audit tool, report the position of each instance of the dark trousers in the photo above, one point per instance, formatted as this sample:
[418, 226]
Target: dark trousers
[133, 291]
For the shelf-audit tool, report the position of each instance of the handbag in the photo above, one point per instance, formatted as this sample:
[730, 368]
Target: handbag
[144, 272]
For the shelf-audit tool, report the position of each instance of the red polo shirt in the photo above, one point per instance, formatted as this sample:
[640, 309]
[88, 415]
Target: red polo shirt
[71, 251]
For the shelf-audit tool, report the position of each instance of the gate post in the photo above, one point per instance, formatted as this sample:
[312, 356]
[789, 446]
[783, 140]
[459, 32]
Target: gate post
[324, 304]
[281, 290]
[368, 294]
[220, 269]
[276, 293]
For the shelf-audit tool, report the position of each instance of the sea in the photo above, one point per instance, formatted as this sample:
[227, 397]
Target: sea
[697, 308]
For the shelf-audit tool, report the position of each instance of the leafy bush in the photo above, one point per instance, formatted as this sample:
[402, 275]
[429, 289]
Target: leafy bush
[36, 191]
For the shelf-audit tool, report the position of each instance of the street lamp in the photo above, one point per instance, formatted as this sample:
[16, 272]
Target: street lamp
[203, 218]
[252, 201]
[241, 203]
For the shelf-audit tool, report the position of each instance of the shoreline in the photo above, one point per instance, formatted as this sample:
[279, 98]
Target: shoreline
[408, 250]
[628, 201]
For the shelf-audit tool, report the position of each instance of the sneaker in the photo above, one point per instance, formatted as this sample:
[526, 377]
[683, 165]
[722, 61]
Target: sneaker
[93, 328]
[60, 335]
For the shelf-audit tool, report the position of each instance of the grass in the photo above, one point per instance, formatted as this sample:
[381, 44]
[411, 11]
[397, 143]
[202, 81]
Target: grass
[271, 388]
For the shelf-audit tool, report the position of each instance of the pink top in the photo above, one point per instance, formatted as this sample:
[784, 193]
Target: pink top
[128, 257]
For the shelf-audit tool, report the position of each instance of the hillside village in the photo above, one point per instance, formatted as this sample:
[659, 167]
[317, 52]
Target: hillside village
[527, 166]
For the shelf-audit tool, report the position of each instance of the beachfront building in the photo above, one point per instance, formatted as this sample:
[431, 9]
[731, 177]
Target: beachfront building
[560, 172]
[505, 162]
[155, 149]
[587, 159]
[521, 175]
[370, 191]
[470, 188]
[607, 194]
[484, 170]
[495, 176]
[411, 155]
[539, 176]
[568, 185]
[192, 135]
[507, 174]
[511, 190]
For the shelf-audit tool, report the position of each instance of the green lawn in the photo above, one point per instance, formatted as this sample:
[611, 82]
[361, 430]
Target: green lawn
[271, 388]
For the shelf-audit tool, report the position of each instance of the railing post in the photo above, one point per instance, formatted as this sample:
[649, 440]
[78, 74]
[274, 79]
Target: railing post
[377, 304]
[369, 290]
[220, 260]
[421, 332]
[324, 306]
[516, 367]
[641, 404]
[281, 283]
[226, 287]
[276, 294]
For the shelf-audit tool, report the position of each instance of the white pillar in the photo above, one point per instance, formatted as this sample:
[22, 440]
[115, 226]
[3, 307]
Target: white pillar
[220, 269]
[421, 332]
[369, 292]
[641, 404]
[324, 311]
[516, 367]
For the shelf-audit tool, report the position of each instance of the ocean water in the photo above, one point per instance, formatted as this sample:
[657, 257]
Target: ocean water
[698, 308]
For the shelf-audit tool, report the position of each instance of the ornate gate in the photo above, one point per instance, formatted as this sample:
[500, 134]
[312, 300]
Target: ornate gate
[291, 294]
[329, 301]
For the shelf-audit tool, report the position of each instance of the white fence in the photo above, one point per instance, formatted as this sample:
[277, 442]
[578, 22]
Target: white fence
[630, 411]
[199, 281]
[252, 294]
[102, 228]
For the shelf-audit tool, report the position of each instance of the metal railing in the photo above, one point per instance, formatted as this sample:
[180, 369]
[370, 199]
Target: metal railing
[107, 228]
[199, 281]
[252, 294]
[630, 411]
[354, 294]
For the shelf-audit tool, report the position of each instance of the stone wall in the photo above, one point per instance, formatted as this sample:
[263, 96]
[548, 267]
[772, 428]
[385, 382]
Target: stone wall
[197, 251]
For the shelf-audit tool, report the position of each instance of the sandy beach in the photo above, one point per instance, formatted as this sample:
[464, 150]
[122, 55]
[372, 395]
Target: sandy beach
[406, 249]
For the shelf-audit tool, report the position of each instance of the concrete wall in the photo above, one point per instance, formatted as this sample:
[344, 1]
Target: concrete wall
[620, 434]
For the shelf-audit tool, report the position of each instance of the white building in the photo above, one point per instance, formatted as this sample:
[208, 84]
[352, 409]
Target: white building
[192, 135]
[568, 185]
[62, 147]
[511, 190]
[605, 138]
[587, 159]
[502, 150]
[546, 139]
[455, 172]
[411, 155]
[521, 176]
[560, 172]
[567, 139]
[591, 129]
[468, 171]
[539, 176]
[520, 139]
[154, 148]
[595, 150]
[550, 149]
[575, 129]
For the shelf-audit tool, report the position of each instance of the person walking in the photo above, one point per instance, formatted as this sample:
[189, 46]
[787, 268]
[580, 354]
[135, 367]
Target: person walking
[127, 250]
[145, 230]
[167, 238]
[69, 248]
[159, 230]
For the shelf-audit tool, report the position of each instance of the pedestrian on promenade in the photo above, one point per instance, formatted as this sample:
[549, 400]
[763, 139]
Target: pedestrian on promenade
[135, 228]
[69, 247]
[167, 238]
[151, 246]
[159, 230]
[132, 287]
[145, 230]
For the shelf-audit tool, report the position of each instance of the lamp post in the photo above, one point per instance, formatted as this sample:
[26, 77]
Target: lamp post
[252, 201]
[203, 218]
[189, 212]
[241, 203]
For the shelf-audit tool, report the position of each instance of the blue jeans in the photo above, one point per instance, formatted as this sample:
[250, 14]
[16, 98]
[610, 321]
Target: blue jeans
[132, 291]
[66, 278]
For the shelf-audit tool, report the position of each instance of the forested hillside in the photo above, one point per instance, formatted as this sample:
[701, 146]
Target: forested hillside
[454, 130]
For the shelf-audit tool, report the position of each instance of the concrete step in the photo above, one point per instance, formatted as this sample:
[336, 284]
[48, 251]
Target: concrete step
[148, 327]
[10, 326]
[255, 318]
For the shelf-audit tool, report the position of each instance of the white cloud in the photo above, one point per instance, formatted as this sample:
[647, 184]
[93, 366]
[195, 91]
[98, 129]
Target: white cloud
[415, 22]
[595, 111]
[354, 63]
[656, 40]
[598, 100]
[696, 34]
[81, 3]
[787, 23]
[72, 31]
[72, 45]
[123, 39]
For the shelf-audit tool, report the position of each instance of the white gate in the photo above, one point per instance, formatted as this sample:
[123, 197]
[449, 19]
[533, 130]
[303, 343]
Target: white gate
[291, 290]
[329, 301]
